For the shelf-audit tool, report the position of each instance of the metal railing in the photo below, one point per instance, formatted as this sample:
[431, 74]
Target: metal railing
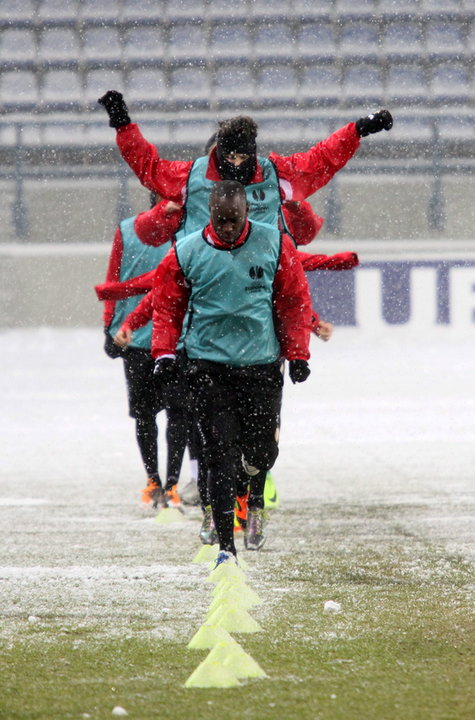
[430, 156]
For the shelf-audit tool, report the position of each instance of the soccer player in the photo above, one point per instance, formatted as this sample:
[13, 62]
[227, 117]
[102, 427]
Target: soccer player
[129, 257]
[268, 181]
[234, 298]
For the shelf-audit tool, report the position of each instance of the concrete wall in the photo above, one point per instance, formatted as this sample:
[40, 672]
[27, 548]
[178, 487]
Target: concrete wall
[48, 278]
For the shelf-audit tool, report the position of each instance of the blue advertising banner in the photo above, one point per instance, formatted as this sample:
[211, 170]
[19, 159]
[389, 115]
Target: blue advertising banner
[419, 292]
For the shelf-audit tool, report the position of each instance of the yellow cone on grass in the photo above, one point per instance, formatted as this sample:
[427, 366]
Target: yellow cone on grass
[214, 616]
[225, 570]
[210, 674]
[235, 620]
[241, 563]
[169, 515]
[207, 636]
[230, 599]
[231, 585]
[225, 584]
[233, 656]
[206, 554]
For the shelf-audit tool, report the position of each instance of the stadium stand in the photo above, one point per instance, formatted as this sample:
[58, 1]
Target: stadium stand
[301, 67]
[422, 52]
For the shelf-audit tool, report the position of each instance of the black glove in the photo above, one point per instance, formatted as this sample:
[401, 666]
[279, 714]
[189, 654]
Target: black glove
[374, 123]
[298, 370]
[110, 348]
[165, 370]
[116, 108]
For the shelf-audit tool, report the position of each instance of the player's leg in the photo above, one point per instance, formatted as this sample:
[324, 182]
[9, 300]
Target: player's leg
[260, 406]
[144, 405]
[219, 428]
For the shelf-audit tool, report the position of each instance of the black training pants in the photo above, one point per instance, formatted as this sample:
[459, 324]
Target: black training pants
[238, 411]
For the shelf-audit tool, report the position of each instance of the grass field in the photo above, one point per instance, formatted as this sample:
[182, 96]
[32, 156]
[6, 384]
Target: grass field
[98, 602]
[401, 647]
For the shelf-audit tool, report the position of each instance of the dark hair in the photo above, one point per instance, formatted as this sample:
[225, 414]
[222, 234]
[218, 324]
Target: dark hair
[242, 125]
[227, 189]
[237, 134]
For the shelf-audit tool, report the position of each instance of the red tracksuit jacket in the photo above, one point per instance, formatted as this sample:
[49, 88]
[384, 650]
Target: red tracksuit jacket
[291, 298]
[300, 175]
[153, 227]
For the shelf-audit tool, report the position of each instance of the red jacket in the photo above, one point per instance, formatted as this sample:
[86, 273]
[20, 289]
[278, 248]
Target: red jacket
[303, 224]
[300, 175]
[291, 297]
[153, 227]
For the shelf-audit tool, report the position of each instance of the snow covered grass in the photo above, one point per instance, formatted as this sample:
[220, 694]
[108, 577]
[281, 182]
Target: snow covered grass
[401, 646]
[98, 601]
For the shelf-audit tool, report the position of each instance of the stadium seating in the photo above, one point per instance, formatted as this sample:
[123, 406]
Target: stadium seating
[190, 87]
[17, 11]
[359, 39]
[58, 56]
[187, 41]
[234, 86]
[98, 80]
[276, 84]
[272, 40]
[316, 40]
[449, 83]
[146, 86]
[102, 44]
[61, 89]
[19, 90]
[320, 85]
[223, 10]
[136, 11]
[230, 40]
[144, 44]
[406, 83]
[17, 47]
[58, 10]
[403, 38]
[58, 45]
[362, 85]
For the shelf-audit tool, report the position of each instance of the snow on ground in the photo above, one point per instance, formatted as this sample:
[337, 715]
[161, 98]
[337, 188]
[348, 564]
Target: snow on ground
[385, 420]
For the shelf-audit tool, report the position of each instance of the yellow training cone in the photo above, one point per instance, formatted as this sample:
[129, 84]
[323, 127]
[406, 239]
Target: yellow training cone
[225, 570]
[226, 584]
[233, 656]
[207, 636]
[212, 674]
[243, 665]
[236, 587]
[224, 649]
[230, 599]
[241, 563]
[169, 515]
[206, 554]
[214, 616]
[236, 620]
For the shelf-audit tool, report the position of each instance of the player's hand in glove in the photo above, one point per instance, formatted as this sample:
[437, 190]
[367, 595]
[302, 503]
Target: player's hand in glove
[298, 370]
[374, 123]
[116, 108]
[110, 348]
[165, 369]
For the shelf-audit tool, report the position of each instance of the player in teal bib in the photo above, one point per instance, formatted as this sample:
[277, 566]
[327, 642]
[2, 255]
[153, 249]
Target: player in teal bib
[263, 198]
[137, 258]
[224, 317]
[234, 296]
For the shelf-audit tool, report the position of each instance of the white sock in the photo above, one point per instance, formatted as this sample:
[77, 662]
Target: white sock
[194, 470]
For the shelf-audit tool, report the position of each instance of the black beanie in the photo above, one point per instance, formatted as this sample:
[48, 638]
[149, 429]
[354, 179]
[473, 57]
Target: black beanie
[239, 144]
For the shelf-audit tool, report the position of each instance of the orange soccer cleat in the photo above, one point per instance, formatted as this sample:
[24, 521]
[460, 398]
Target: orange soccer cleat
[240, 512]
[153, 493]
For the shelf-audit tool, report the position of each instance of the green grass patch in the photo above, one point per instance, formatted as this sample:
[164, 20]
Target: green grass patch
[400, 649]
